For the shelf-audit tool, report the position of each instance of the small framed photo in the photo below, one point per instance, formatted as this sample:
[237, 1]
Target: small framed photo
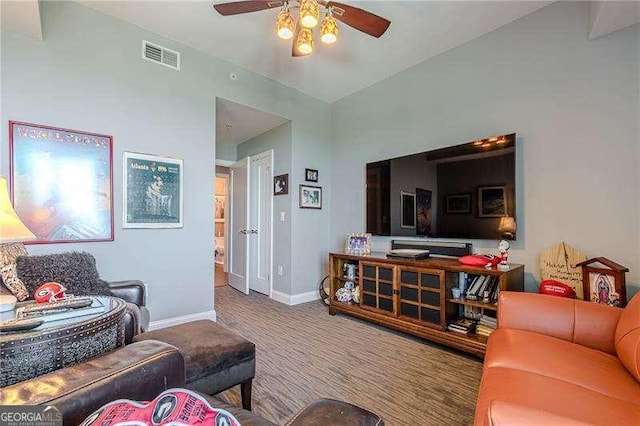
[281, 184]
[457, 204]
[310, 197]
[152, 191]
[358, 244]
[407, 210]
[492, 201]
[310, 175]
[219, 211]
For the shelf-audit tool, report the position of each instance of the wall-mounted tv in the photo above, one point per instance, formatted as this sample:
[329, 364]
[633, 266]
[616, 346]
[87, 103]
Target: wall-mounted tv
[463, 191]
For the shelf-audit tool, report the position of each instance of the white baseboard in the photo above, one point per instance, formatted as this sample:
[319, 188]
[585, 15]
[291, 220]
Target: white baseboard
[210, 315]
[295, 299]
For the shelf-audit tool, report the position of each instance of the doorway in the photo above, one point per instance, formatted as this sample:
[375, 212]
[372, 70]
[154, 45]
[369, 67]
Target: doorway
[221, 209]
[251, 215]
[249, 141]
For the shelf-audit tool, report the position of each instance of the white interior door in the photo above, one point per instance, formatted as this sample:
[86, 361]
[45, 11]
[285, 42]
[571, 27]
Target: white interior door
[260, 223]
[238, 239]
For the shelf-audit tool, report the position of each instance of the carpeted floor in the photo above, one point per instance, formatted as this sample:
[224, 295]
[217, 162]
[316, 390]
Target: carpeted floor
[304, 354]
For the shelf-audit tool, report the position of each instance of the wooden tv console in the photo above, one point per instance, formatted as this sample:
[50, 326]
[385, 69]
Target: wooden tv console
[414, 296]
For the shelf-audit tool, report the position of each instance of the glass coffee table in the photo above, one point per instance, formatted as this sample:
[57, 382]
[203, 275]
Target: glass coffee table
[61, 342]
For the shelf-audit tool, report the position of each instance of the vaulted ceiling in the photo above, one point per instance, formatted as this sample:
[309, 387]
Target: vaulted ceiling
[419, 30]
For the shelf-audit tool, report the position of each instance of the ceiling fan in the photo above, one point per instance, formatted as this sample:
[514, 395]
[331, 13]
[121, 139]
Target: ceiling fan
[308, 17]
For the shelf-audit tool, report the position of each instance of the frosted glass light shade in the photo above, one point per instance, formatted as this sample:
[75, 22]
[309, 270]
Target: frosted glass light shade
[329, 30]
[304, 43]
[309, 13]
[507, 226]
[11, 227]
[284, 25]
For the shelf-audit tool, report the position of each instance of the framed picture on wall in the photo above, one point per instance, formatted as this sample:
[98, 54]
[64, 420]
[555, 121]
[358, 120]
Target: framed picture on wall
[407, 210]
[492, 201]
[61, 182]
[281, 184]
[423, 212]
[310, 197]
[219, 208]
[457, 204]
[152, 196]
[310, 175]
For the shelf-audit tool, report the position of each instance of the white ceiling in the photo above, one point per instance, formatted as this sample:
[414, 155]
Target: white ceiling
[237, 123]
[22, 16]
[419, 30]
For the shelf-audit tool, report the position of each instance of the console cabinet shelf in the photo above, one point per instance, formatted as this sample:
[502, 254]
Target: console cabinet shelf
[414, 296]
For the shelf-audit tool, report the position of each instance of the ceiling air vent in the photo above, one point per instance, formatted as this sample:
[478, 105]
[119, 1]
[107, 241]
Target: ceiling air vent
[161, 55]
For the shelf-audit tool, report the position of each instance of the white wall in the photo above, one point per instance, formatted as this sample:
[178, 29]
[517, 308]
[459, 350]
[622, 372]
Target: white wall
[278, 139]
[572, 102]
[88, 75]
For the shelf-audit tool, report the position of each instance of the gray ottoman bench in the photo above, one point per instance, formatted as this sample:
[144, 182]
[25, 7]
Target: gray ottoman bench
[215, 358]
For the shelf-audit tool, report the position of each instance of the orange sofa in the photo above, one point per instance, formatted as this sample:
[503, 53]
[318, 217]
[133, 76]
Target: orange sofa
[555, 361]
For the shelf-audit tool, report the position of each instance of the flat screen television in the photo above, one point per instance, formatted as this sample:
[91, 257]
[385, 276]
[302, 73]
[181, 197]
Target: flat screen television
[463, 191]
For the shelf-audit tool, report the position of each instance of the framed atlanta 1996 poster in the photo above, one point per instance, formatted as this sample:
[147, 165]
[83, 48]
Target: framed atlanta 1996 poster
[152, 191]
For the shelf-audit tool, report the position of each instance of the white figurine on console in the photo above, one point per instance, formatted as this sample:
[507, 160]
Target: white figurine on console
[503, 247]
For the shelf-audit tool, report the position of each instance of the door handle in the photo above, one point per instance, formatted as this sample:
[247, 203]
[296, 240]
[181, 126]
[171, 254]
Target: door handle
[243, 231]
[253, 231]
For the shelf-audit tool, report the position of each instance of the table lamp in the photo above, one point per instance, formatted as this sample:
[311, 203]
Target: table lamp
[507, 226]
[12, 231]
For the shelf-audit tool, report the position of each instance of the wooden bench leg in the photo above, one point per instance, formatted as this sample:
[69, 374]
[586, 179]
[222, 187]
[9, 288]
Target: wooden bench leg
[245, 392]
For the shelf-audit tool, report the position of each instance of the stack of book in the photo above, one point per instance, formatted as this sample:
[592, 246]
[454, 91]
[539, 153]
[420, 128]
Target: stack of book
[479, 285]
[462, 325]
[486, 325]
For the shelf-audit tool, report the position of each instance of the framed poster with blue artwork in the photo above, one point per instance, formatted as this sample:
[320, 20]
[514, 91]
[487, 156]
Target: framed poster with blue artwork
[61, 182]
[152, 191]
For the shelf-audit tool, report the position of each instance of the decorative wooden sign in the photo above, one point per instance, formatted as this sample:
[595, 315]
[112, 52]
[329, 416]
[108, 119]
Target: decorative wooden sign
[559, 262]
[603, 281]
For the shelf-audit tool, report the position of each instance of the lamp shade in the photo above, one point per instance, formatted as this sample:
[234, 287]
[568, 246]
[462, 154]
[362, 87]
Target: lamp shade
[285, 25]
[309, 13]
[11, 227]
[329, 30]
[304, 42]
[507, 226]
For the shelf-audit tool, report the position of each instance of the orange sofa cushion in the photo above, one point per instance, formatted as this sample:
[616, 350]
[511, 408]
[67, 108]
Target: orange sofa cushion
[562, 360]
[552, 395]
[627, 337]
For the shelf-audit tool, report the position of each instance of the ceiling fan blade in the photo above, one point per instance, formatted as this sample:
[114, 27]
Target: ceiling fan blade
[238, 7]
[359, 19]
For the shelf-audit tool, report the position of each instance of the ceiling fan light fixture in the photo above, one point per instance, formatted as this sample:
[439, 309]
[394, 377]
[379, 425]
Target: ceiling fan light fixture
[304, 42]
[309, 13]
[329, 30]
[284, 25]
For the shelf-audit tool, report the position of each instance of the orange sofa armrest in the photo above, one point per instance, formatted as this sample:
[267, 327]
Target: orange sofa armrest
[585, 323]
[503, 413]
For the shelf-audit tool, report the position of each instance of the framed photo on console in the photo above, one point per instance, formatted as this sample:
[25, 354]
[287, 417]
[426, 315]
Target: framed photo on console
[62, 184]
[358, 244]
[152, 196]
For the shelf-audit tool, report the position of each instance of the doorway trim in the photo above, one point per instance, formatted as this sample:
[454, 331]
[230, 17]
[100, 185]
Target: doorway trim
[224, 163]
